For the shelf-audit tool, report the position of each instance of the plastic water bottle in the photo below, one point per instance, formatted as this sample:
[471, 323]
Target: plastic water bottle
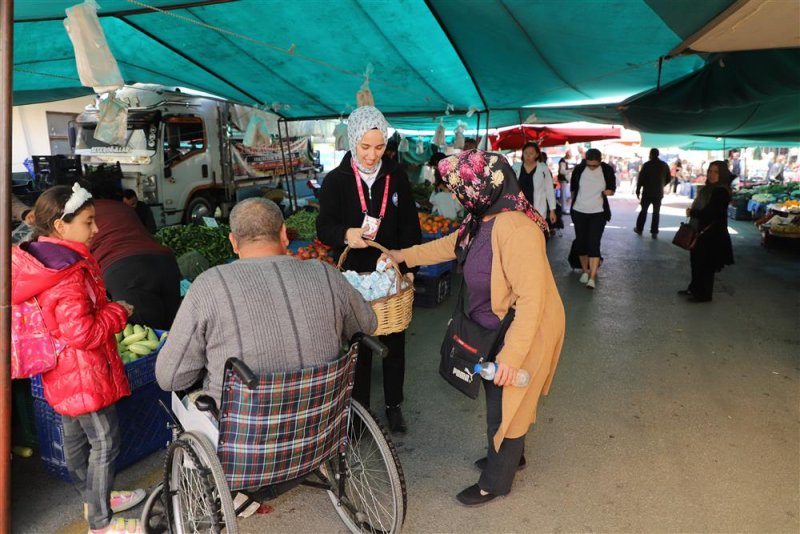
[487, 371]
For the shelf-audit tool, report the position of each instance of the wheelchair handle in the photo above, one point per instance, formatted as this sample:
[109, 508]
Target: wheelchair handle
[372, 343]
[245, 374]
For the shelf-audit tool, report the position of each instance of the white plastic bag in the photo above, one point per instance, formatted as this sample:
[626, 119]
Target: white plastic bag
[459, 141]
[96, 64]
[364, 96]
[340, 137]
[420, 146]
[438, 137]
[112, 123]
[257, 133]
[403, 146]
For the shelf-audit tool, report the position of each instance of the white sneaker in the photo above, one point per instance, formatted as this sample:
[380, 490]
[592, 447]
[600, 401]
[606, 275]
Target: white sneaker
[590, 284]
[584, 278]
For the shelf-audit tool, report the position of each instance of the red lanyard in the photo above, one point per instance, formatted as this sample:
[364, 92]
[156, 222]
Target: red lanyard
[361, 192]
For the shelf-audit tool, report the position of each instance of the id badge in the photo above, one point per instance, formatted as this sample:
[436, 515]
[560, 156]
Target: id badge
[370, 227]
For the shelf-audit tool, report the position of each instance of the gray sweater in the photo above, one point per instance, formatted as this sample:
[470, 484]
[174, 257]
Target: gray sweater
[276, 313]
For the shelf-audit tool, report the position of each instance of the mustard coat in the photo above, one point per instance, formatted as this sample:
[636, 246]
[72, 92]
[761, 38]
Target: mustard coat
[521, 276]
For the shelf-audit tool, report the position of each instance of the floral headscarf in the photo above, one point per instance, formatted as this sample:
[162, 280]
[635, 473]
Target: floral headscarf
[359, 122]
[485, 184]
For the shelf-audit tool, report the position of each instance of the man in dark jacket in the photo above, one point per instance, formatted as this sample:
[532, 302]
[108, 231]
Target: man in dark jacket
[653, 177]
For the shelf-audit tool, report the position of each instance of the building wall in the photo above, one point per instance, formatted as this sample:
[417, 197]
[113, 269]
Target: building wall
[29, 128]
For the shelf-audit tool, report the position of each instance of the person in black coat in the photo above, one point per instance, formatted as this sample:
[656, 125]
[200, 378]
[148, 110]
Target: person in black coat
[366, 184]
[709, 217]
[593, 181]
[653, 177]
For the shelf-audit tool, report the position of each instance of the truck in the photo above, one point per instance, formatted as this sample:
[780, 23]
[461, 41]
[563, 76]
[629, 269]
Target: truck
[184, 154]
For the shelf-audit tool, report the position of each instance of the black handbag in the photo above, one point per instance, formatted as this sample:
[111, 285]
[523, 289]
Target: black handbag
[467, 343]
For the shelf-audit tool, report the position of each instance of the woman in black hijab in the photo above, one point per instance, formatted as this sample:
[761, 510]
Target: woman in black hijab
[709, 216]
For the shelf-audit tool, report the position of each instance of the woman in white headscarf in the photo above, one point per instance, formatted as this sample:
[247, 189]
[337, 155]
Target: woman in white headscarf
[367, 191]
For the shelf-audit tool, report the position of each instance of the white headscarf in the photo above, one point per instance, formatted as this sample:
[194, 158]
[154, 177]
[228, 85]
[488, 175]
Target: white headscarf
[361, 121]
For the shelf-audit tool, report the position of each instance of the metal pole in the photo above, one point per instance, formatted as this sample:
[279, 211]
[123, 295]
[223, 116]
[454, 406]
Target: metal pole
[6, 94]
[284, 176]
[294, 180]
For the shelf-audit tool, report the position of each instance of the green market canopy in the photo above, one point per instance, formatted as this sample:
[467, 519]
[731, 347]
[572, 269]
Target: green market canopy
[506, 62]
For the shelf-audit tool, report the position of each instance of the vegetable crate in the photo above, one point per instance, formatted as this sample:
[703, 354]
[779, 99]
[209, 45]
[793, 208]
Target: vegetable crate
[739, 213]
[142, 422]
[433, 271]
[431, 291]
[142, 426]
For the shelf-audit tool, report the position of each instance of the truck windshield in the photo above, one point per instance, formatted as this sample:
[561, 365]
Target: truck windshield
[140, 139]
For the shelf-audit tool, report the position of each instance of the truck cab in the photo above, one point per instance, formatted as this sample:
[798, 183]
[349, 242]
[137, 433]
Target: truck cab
[172, 154]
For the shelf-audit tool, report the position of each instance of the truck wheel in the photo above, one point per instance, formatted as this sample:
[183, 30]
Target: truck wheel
[199, 207]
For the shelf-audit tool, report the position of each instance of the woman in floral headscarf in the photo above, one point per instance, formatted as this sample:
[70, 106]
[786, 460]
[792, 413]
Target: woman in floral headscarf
[500, 247]
[367, 184]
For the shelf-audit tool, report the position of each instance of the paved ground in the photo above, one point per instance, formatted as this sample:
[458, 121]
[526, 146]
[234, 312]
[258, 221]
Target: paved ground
[664, 416]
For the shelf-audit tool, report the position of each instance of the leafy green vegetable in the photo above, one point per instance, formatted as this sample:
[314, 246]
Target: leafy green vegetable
[304, 223]
[212, 243]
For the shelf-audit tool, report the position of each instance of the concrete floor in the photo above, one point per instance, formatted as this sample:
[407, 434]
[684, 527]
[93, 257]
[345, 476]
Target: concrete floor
[664, 416]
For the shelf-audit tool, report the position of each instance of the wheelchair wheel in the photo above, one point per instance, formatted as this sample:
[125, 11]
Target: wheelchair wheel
[154, 512]
[197, 498]
[373, 499]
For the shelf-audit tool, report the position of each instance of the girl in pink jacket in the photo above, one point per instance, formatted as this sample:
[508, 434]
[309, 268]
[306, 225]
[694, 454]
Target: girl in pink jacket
[89, 377]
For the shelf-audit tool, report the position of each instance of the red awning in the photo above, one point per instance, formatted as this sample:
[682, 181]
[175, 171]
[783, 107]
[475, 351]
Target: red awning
[515, 138]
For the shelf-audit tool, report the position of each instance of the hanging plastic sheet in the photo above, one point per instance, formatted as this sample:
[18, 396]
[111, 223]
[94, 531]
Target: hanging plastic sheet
[96, 64]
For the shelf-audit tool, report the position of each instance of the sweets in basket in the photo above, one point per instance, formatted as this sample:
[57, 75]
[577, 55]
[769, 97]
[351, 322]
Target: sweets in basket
[394, 310]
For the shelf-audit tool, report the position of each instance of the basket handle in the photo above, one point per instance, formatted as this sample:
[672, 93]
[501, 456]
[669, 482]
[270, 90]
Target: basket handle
[383, 249]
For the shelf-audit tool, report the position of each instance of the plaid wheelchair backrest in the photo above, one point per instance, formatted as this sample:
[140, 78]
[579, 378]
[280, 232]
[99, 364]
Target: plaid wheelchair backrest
[287, 426]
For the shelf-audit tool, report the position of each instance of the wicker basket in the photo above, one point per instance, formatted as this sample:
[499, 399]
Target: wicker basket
[394, 311]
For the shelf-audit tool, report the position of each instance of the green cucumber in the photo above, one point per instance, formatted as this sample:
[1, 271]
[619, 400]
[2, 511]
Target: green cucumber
[133, 338]
[140, 348]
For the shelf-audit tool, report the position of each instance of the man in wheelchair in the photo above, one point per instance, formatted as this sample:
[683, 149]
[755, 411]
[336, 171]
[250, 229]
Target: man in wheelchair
[268, 309]
[265, 335]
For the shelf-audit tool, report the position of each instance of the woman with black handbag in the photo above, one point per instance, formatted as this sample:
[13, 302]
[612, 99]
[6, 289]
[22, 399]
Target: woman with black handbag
[500, 248]
[709, 217]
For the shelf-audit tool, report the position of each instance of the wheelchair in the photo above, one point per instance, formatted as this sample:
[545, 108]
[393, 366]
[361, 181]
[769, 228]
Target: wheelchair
[277, 432]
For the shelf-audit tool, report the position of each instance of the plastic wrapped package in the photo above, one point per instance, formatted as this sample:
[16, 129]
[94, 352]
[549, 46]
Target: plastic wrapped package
[403, 146]
[96, 64]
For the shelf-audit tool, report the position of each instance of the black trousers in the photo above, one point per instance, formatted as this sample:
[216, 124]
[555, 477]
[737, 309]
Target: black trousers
[394, 370]
[589, 229]
[702, 284]
[502, 465]
[149, 282]
[642, 218]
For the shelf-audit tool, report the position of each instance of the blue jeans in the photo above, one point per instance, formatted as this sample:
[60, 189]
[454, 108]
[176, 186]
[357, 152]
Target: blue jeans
[91, 445]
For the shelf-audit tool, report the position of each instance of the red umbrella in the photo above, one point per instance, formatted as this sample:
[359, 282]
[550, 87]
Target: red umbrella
[515, 138]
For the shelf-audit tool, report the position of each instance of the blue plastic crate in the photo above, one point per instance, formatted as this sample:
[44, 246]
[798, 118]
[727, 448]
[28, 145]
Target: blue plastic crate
[142, 422]
[140, 372]
[295, 245]
[434, 271]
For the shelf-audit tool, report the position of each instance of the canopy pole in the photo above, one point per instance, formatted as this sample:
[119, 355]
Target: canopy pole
[6, 95]
[284, 177]
[294, 179]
